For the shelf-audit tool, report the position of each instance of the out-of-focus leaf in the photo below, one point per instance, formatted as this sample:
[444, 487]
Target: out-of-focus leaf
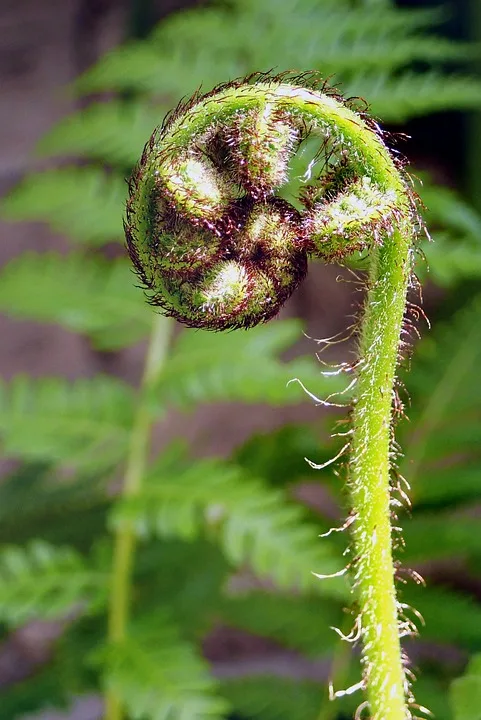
[85, 294]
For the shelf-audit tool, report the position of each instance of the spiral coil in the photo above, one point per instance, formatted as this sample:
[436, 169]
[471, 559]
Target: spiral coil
[212, 241]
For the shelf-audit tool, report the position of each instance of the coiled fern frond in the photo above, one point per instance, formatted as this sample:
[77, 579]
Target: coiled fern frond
[206, 229]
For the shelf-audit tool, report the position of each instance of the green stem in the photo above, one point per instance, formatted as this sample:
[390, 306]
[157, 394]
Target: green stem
[369, 477]
[124, 542]
[374, 198]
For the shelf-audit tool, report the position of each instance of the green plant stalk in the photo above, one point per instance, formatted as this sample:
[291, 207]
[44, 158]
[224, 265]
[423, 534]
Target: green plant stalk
[369, 479]
[379, 214]
[124, 539]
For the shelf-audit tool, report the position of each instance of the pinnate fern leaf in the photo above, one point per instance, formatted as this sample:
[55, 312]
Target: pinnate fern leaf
[42, 581]
[450, 617]
[133, 66]
[455, 227]
[37, 497]
[252, 523]
[287, 619]
[267, 697]
[115, 132]
[465, 693]
[86, 294]
[442, 439]
[408, 95]
[158, 676]
[442, 535]
[450, 259]
[240, 366]
[83, 424]
[447, 208]
[43, 690]
[84, 203]
[344, 39]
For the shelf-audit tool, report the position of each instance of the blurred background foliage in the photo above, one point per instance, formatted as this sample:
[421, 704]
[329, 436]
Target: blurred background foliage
[228, 544]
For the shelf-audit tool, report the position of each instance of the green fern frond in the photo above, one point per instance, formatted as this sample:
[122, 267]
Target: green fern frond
[382, 55]
[190, 577]
[431, 536]
[432, 692]
[273, 698]
[278, 456]
[217, 43]
[133, 66]
[455, 227]
[37, 497]
[253, 523]
[83, 424]
[206, 40]
[114, 132]
[450, 617]
[465, 692]
[84, 203]
[450, 259]
[442, 440]
[240, 366]
[158, 676]
[408, 95]
[42, 581]
[286, 619]
[86, 294]
[44, 690]
[392, 18]
[446, 208]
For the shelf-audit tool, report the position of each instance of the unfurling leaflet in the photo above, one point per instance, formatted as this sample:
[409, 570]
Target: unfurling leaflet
[212, 241]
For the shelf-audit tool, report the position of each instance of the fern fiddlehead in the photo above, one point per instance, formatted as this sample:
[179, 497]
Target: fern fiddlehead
[217, 248]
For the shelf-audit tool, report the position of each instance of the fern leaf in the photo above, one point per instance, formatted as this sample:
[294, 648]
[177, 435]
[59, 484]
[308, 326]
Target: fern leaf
[133, 66]
[44, 690]
[115, 132]
[432, 692]
[90, 295]
[300, 623]
[450, 259]
[252, 523]
[442, 446]
[278, 456]
[433, 536]
[377, 51]
[158, 676]
[409, 95]
[450, 617]
[37, 497]
[190, 577]
[273, 698]
[277, 697]
[446, 208]
[158, 66]
[465, 693]
[239, 366]
[83, 203]
[84, 424]
[218, 43]
[42, 581]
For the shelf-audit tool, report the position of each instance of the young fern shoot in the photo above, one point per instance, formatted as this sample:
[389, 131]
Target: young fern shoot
[217, 248]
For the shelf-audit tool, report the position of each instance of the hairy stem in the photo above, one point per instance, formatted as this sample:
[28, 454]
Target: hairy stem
[124, 542]
[256, 256]
[370, 476]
